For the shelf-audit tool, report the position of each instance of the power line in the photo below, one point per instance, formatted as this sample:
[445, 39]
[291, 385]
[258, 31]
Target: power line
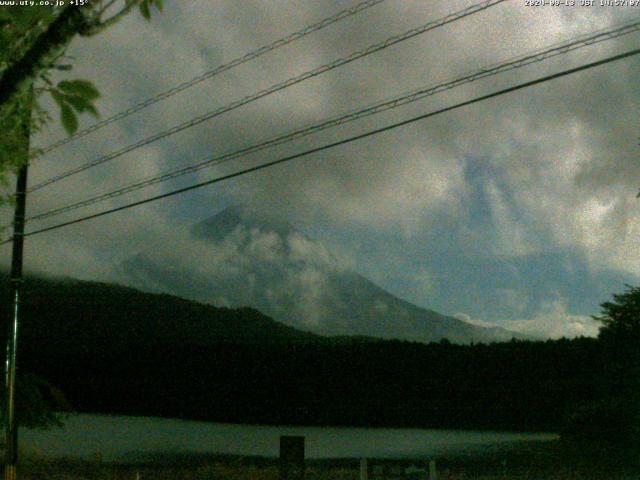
[275, 88]
[216, 71]
[338, 143]
[507, 65]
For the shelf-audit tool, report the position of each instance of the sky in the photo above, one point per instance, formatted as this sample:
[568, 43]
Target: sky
[519, 211]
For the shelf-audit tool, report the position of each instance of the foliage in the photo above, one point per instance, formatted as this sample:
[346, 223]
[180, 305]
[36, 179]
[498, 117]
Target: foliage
[614, 418]
[145, 7]
[40, 404]
[20, 29]
[620, 318]
[22, 114]
[73, 97]
[112, 349]
[202, 362]
[604, 421]
[620, 338]
[14, 131]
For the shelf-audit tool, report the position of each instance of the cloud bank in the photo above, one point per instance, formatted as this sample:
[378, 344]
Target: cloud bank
[450, 213]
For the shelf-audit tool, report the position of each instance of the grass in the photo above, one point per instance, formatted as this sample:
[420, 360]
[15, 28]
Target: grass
[539, 461]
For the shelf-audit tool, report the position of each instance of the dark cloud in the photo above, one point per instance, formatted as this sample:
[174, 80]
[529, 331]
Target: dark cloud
[547, 170]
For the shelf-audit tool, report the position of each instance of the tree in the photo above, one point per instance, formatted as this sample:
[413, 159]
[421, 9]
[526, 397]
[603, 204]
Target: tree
[613, 419]
[41, 405]
[620, 320]
[620, 341]
[33, 42]
[620, 338]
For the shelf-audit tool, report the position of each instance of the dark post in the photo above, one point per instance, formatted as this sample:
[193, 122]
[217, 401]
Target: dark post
[11, 425]
[291, 458]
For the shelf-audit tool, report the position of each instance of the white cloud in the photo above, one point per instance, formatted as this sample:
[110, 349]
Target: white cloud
[472, 321]
[552, 320]
[565, 152]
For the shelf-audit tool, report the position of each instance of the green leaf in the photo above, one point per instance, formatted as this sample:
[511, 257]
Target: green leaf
[79, 104]
[75, 95]
[58, 97]
[82, 88]
[63, 67]
[24, 16]
[158, 4]
[69, 119]
[93, 111]
[144, 9]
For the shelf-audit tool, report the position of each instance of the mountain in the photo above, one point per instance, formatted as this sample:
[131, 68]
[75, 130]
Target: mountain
[68, 314]
[246, 256]
[116, 350]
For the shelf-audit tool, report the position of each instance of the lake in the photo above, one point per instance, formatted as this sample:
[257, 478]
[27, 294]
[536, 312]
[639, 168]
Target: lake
[119, 438]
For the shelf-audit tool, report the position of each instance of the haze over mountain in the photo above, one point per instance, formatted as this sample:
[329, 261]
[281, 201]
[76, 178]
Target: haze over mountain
[245, 256]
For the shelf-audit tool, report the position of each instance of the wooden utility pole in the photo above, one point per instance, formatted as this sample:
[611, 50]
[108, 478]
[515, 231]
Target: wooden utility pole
[11, 425]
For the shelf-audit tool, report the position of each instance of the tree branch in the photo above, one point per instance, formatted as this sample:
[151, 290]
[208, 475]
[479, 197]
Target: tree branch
[106, 7]
[115, 18]
[69, 23]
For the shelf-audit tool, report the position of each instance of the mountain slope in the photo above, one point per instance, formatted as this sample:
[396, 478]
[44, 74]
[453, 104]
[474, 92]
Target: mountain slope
[248, 257]
[116, 350]
[93, 316]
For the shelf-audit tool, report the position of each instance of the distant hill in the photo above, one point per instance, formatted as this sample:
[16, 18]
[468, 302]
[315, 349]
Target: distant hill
[252, 257]
[113, 349]
[75, 314]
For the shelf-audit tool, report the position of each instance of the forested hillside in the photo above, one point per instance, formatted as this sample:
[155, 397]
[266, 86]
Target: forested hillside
[112, 349]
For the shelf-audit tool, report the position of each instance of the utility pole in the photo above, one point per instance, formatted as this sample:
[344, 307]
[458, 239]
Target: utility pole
[16, 77]
[11, 425]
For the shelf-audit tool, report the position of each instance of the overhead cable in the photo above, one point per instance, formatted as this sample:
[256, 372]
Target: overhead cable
[216, 71]
[507, 65]
[335, 144]
[275, 88]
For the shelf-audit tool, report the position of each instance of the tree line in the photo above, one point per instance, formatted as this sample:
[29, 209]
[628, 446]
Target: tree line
[111, 349]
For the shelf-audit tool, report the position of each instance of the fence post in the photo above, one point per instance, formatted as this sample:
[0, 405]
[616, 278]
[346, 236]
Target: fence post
[364, 474]
[433, 474]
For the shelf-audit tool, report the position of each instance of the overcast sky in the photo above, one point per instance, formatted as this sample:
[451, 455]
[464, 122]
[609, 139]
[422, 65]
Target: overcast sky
[519, 211]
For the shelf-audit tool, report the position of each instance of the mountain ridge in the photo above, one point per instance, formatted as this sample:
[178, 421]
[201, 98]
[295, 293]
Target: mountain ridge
[94, 315]
[255, 258]
[116, 350]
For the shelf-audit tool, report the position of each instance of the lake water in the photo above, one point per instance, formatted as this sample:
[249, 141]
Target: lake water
[119, 438]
